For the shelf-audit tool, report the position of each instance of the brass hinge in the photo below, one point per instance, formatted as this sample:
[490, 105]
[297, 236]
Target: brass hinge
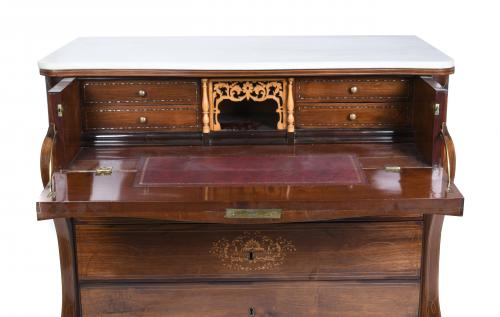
[437, 109]
[103, 171]
[52, 190]
[393, 168]
[60, 110]
[100, 171]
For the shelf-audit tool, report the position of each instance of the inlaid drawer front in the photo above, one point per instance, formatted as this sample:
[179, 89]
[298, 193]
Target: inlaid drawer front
[317, 299]
[353, 115]
[141, 118]
[97, 92]
[174, 251]
[353, 89]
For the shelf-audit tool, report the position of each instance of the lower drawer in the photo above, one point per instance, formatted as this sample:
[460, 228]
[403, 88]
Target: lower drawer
[343, 250]
[299, 299]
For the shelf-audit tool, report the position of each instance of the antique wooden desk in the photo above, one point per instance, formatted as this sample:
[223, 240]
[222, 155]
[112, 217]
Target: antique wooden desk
[275, 176]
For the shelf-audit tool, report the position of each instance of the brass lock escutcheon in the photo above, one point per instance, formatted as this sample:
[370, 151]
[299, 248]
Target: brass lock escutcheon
[251, 312]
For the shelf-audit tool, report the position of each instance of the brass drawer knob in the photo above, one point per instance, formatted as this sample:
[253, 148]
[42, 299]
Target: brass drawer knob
[353, 89]
[352, 116]
[143, 120]
[141, 93]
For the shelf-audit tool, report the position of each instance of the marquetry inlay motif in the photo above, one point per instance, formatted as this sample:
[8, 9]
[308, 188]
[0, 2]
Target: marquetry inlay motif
[251, 89]
[252, 251]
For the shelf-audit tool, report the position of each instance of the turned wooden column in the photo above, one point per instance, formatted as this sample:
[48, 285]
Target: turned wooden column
[289, 108]
[204, 106]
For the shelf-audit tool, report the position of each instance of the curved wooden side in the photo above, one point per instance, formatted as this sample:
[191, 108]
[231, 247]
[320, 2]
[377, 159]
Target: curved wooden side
[429, 306]
[70, 298]
[46, 154]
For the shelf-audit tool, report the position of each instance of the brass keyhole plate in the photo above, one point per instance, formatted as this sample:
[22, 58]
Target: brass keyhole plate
[251, 312]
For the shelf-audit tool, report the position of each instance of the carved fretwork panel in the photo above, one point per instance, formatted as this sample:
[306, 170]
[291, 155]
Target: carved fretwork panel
[257, 90]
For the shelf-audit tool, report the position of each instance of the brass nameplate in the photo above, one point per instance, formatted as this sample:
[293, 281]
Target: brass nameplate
[234, 213]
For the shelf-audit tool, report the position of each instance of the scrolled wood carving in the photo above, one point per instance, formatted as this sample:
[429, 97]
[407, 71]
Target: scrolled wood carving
[256, 90]
[252, 251]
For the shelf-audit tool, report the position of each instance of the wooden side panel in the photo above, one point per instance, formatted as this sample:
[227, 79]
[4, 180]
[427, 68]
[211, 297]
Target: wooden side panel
[315, 251]
[70, 296]
[67, 121]
[314, 299]
[426, 119]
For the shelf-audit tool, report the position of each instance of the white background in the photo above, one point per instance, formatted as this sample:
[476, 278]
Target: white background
[467, 31]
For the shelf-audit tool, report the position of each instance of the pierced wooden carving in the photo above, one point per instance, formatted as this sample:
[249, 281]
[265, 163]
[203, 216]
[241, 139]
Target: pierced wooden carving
[252, 251]
[252, 89]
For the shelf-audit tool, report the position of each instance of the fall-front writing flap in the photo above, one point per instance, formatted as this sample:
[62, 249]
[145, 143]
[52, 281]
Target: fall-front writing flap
[302, 182]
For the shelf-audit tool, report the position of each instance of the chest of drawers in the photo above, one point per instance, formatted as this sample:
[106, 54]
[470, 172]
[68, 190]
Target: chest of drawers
[221, 177]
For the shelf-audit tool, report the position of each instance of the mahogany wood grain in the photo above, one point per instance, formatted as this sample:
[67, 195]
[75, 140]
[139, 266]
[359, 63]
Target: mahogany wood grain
[301, 136]
[137, 138]
[70, 288]
[242, 73]
[429, 306]
[341, 89]
[68, 126]
[316, 299]
[365, 250]
[177, 92]
[421, 190]
[364, 151]
[371, 156]
[117, 118]
[427, 93]
[141, 221]
[156, 251]
[366, 115]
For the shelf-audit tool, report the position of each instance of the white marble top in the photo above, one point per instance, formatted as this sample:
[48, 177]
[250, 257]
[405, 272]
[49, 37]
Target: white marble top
[246, 53]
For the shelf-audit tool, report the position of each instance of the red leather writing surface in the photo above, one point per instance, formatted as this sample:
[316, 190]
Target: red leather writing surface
[251, 170]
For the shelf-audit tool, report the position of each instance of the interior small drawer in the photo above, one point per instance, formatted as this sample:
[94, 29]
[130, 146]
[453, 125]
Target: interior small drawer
[140, 91]
[141, 118]
[360, 250]
[316, 299]
[353, 89]
[353, 115]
